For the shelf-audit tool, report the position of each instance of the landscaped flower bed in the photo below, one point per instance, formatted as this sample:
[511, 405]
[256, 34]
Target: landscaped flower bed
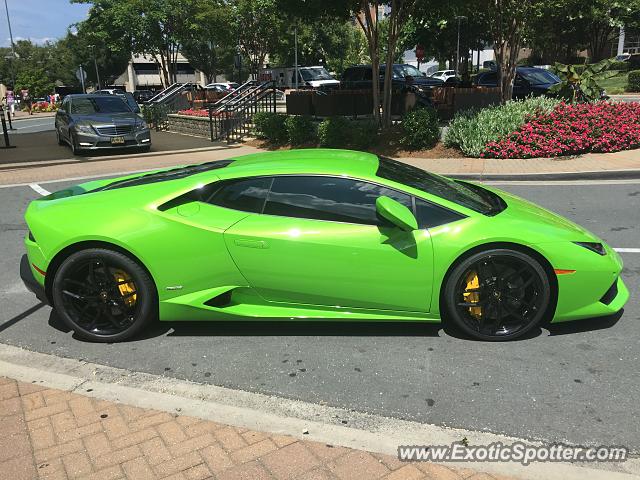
[571, 129]
[194, 113]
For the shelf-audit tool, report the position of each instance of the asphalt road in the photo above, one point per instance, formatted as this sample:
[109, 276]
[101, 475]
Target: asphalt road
[576, 383]
[35, 141]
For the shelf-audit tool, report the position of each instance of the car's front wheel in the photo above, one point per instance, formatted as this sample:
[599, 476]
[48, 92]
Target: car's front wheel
[59, 138]
[498, 294]
[103, 295]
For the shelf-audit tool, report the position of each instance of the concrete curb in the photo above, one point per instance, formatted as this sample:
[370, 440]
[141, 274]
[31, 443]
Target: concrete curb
[278, 415]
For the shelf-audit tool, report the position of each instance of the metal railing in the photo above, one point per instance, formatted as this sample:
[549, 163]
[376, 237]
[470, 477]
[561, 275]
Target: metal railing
[231, 117]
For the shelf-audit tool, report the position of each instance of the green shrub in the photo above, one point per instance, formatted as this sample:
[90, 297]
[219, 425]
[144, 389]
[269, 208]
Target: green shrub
[620, 66]
[634, 81]
[470, 131]
[420, 129]
[271, 127]
[300, 129]
[363, 133]
[334, 132]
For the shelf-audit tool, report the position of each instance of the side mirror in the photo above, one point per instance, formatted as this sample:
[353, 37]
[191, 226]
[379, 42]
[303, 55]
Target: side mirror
[396, 213]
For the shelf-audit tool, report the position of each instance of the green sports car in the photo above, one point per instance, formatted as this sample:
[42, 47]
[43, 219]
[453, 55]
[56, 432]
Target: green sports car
[311, 234]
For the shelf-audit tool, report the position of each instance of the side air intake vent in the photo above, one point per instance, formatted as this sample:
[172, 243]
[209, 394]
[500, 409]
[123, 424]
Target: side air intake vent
[220, 301]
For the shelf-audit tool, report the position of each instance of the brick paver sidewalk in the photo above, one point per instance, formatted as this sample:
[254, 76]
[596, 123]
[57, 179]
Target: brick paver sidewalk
[53, 434]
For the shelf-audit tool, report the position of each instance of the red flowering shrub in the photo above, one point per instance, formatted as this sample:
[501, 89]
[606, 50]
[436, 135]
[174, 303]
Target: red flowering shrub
[571, 129]
[194, 113]
[202, 113]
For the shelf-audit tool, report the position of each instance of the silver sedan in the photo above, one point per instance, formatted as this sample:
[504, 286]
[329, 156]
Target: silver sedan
[96, 122]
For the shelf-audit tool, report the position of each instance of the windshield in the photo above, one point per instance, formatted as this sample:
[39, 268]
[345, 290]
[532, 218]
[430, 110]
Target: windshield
[88, 106]
[402, 71]
[316, 73]
[464, 194]
[539, 77]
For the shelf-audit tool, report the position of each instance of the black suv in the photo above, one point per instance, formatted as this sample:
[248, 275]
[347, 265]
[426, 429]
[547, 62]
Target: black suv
[358, 77]
[529, 81]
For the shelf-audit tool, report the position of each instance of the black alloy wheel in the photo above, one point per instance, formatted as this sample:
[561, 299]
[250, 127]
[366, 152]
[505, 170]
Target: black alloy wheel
[103, 295]
[498, 294]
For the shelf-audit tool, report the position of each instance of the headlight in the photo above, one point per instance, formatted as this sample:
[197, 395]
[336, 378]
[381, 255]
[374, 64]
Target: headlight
[593, 246]
[84, 128]
[141, 126]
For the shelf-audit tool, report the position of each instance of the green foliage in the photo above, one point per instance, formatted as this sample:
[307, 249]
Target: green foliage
[634, 81]
[619, 66]
[35, 80]
[300, 129]
[363, 133]
[582, 85]
[271, 127]
[471, 130]
[420, 129]
[334, 132]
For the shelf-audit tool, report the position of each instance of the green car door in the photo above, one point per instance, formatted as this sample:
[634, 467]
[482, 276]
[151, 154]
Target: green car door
[318, 240]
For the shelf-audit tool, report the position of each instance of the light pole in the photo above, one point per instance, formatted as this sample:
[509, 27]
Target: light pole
[459, 18]
[295, 53]
[13, 48]
[95, 64]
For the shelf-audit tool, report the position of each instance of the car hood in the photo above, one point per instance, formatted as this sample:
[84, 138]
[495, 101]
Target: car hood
[108, 118]
[430, 81]
[537, 224]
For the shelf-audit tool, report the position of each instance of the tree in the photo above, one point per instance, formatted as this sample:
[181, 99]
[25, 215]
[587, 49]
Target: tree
[208, 39]
[148, 27]
[34, 79]
[507, 20]
[260, 26]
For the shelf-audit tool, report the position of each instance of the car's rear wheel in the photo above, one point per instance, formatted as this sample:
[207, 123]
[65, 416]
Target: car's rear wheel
[497, 294]
[103, 295]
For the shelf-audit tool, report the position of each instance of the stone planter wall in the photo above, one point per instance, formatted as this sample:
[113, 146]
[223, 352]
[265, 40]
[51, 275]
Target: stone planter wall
[197, 126]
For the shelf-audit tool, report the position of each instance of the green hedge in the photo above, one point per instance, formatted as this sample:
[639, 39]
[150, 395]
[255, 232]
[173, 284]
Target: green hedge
[300, 129]
[471, 130]
[271, 127]
[633, 83]
[420, 129]
[620, 66]
[334, 132]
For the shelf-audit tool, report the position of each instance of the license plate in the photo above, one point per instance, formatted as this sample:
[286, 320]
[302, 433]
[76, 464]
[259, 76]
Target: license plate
[117, 141]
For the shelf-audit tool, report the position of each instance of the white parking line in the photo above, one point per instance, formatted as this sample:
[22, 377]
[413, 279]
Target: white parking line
[39, 189]
[627, 250]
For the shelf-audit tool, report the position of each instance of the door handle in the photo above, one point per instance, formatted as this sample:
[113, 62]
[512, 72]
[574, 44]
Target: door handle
[245, 242]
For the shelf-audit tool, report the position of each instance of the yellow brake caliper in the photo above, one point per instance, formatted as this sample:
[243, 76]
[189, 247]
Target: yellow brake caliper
[473, 283]
[126, 286]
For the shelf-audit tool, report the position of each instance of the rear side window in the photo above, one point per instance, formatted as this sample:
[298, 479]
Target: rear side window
[430, 215]
[247, 195]
[329, 198]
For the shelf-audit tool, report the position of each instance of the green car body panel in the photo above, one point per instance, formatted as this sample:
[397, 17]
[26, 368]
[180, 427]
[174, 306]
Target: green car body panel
[292, 268]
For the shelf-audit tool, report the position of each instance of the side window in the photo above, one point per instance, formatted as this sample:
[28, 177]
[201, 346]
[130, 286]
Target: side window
[247, 195]
[329, 198]
[430, 215]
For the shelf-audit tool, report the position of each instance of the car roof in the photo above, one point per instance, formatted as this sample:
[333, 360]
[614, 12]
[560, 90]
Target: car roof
[88, 95]
[311, 161]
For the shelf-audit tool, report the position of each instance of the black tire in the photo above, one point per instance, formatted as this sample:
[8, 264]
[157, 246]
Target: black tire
[72, 142]
[145, 149]
[59, 138]
[103, 295]
[509, 296]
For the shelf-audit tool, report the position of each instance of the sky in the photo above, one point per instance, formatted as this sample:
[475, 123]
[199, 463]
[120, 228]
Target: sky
[38, 20]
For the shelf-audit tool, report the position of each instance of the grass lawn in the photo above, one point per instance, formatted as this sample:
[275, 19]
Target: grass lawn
[615, 85]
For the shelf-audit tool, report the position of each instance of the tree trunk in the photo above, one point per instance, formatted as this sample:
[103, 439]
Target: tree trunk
[370, 28]
[507, 36]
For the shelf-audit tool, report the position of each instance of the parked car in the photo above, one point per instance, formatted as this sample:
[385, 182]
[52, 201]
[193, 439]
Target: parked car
[623, 57]
[330, 234]
[126, 96]
[404, 76]
[142, 96]
[100, 121]
[222, 86]
[529, 81]
[444, 75]
[315, 77]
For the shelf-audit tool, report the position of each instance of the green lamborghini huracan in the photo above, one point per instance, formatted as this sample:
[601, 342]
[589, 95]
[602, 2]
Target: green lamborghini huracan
[311, 234]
